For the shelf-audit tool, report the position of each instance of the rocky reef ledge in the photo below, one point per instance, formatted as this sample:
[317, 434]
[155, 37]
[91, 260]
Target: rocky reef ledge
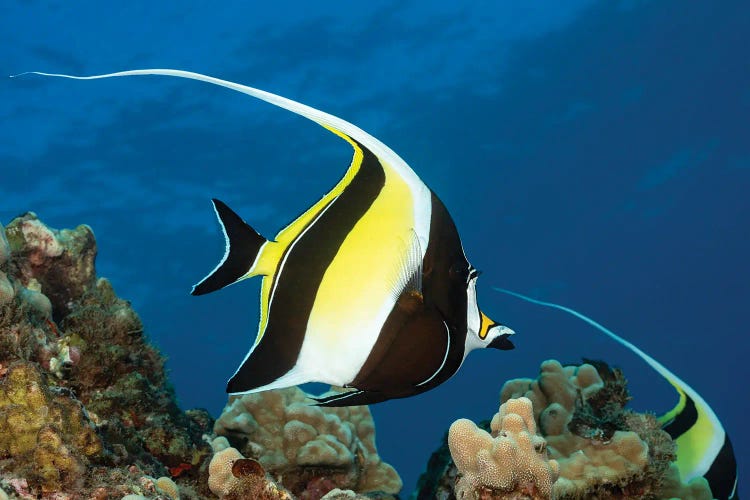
[86, 410]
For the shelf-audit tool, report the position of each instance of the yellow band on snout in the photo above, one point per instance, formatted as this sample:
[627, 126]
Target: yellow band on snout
[485, 325]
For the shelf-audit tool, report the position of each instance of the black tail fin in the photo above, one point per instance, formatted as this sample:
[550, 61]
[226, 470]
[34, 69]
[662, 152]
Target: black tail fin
[242, 246]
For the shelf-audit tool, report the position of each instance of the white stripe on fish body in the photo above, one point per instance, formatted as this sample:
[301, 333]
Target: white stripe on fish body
[445, 356]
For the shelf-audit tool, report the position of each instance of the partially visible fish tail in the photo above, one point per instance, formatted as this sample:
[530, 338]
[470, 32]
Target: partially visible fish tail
[243, 247]
[704, 448]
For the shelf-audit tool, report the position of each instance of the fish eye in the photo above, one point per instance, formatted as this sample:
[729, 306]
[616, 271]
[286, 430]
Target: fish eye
[460, 270]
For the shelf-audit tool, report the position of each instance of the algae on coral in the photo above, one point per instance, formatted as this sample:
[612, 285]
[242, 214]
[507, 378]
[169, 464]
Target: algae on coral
[603, 449]
[85, 405]
[86, 408]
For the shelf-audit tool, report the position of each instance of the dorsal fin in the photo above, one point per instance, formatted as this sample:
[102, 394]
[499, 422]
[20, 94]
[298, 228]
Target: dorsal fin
[243, 244]
[329, 121]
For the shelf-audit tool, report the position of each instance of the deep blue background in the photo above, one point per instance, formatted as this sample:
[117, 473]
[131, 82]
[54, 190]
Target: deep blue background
[592, 154]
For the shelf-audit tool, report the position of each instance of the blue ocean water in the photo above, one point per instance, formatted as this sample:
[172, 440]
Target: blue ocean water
[595, 154]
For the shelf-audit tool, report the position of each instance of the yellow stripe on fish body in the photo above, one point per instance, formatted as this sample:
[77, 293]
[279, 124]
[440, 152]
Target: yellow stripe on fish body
[293, 230]
[269, 260]
[362, 272]
[678, 408]
[695, 446]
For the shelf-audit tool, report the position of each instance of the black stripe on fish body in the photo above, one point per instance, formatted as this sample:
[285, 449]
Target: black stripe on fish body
[410, 350]
[410, 355]
[722, 475]
[296, 284]
[684, 420]
[446, 271]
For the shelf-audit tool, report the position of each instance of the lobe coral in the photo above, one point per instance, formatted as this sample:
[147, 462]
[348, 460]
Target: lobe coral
[563, 435]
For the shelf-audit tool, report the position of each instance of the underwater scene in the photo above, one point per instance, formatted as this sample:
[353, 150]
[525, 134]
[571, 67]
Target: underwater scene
[374, 250]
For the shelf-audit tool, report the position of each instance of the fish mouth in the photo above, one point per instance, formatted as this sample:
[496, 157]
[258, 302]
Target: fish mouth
[502, 341]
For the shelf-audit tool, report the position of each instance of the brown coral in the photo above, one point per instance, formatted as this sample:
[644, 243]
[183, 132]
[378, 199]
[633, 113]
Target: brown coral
[233, 477]
[304, 443]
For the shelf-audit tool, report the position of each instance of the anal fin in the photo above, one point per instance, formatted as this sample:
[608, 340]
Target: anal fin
[243, 245]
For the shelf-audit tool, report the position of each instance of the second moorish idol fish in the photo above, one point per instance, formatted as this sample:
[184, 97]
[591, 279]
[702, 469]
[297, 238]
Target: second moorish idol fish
[368, 289]
[703, 446]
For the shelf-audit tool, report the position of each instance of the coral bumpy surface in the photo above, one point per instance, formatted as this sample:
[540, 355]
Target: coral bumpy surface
[513, 459]
[310, 450]
[604, 450]
[601, 449]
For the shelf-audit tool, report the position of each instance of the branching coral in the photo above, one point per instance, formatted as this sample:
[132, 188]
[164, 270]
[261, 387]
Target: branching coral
[512, 460]
[302, 443]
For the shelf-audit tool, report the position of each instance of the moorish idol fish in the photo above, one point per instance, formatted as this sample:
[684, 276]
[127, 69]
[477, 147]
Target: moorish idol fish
[703, 446]
[368, 289]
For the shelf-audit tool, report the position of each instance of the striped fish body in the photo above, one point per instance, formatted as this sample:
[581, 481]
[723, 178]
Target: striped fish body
[350, 298]
[332, 277]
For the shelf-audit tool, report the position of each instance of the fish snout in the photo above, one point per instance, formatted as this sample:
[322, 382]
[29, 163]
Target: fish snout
[501, 340]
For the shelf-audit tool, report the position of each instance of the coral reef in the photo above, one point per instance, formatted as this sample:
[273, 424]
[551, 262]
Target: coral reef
[47, 430]
[602, 449]
[512, 461]
[674, 488]
[85, 406]
[86, 410]
[339, 494]
[234, 477]
[306, 446]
